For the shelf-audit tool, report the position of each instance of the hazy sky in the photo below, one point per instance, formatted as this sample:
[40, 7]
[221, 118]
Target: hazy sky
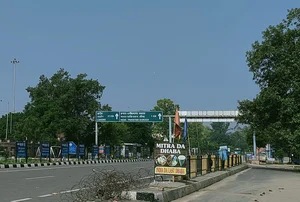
[192, 52]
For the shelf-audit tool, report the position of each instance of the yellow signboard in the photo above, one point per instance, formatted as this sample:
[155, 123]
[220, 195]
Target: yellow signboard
[170, 170]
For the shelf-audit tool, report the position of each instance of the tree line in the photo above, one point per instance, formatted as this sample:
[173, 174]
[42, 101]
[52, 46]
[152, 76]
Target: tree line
[274, 114]
[65, 105]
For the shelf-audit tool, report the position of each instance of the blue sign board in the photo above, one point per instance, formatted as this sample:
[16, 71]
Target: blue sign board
[95, 150]
[117, 151]
[64, 149]
[107, 150]
[45, 149]
[81, 150]
[21, 148]
[72, 148]
[101, 149]
[126, 151]
[134, 151]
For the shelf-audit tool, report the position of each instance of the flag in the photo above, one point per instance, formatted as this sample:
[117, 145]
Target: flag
[185, 130]
[177, 128]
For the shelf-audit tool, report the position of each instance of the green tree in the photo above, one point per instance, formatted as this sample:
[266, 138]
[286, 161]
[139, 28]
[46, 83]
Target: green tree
[61, 104]
[113, 133]
[239, 138]
[219, 134]
[274, 114]
[168, 107]
[199, 137]
[17, 120]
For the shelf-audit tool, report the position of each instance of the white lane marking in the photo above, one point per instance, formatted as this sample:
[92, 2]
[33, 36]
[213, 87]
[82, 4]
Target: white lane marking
[24, 199]
[69, 191]
[36, 178]
[46, 195]
[75, 190]
[67, 167]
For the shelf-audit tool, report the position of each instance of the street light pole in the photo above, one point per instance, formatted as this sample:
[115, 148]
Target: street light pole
[14, 62]
[6, 130]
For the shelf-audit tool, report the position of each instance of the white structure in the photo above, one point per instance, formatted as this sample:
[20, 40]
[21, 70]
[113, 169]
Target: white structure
[207, 116]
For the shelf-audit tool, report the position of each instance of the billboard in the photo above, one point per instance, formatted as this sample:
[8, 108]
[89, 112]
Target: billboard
[170, 159]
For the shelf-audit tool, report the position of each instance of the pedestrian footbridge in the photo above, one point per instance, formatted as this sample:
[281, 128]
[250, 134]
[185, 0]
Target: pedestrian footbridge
[207, 116]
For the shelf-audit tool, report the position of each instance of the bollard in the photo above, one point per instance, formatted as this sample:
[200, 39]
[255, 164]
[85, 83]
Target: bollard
[226, 164]
[204, 164]
[213, 166]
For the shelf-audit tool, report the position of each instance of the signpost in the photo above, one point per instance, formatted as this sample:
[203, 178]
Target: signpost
[101, 150]
[81, 151]
[126, 151]
[129, 116]
[65, 150]
[107, 150]
[95, 151]
[107, 116]
[117, 151]
[72, 148]
[170, 159]
[126, 116]
[21, 150]
[45, 150]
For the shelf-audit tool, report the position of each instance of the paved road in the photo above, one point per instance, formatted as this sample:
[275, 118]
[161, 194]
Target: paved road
[251, 185]
[46, 184]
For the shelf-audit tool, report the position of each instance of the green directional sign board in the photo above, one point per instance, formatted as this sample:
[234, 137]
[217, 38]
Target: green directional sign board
[107, 116]
[129, 116]
[141, 116]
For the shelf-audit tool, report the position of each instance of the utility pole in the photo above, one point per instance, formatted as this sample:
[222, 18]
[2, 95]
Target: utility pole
[6, 130]
[14, 62]
[254, 146]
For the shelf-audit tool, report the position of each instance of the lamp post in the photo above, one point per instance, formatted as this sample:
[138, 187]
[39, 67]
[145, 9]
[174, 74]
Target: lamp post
[14, 62]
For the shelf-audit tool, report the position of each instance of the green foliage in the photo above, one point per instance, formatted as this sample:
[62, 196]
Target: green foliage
[210, 139]
[240, 138]
[275, 112]
[17, 119]
[219, 133]
[199, 136]
[61, 104]
[168, 107]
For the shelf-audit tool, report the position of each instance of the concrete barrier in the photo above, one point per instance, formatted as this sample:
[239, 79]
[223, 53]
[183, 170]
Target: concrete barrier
[66, 163]
[181, 191]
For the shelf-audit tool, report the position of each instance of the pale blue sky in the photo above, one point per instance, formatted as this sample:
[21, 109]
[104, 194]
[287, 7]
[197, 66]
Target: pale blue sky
[190, 51]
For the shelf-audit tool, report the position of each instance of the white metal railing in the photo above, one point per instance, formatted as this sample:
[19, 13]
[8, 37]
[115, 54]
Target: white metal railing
[208, 114]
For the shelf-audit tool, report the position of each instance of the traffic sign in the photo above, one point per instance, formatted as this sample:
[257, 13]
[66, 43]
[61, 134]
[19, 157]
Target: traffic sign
[21, 149]
[107, 150]
[107, 116]
[129, 116]
[95, 150]
[64, 149]
[45, 149]
[72, 148]
[81, 151]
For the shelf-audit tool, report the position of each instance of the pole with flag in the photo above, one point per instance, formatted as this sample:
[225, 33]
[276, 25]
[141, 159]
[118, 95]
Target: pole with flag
[177, 128]
[185, 135]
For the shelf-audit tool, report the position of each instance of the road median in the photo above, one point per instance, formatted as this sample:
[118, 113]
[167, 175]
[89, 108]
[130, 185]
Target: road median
[29, 165]
[168, 191]
[290, 168]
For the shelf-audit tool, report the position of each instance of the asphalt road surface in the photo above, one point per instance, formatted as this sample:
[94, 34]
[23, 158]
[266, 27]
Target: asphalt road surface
[46, 184]
[251, 185]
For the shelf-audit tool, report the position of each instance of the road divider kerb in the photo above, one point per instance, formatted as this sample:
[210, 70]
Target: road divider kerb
[192, 186]
[65, 163]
